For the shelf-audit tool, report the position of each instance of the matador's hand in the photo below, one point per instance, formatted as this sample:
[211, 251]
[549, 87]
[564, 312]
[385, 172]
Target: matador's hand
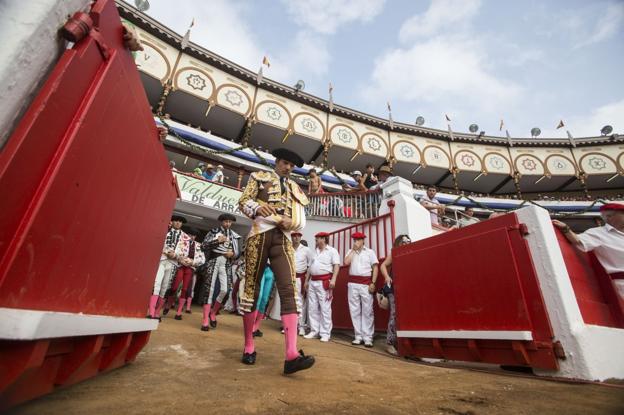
[266, 210]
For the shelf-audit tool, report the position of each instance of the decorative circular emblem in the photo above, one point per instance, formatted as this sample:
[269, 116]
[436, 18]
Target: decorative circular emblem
[436, 154]
[559, 164]
[529, 164]
[196, 82]
[597, 163]
[234, 98]
[407, 151]
[274, 113]
[374, 143]
[308, 124]
[468, 160]
[344, 135]
[496, 162]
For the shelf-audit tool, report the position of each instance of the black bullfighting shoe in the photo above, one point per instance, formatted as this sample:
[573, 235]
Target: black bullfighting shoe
[257, 333]
[213, 324]
[301, 362]
[205, 328]
[249, 358]
[178, 317]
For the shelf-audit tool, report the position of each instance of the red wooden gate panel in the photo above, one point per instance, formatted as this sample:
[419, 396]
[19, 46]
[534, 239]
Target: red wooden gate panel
[473, 294]
[86, 198]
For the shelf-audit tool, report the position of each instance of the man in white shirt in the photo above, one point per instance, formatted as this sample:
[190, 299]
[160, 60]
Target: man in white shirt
[467, 218]
[320, 281]
[303, 259]
[432, 204]
[607, 242]
[363, 268]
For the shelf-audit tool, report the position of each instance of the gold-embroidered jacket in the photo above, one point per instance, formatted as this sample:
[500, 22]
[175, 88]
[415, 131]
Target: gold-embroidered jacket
[263, 188]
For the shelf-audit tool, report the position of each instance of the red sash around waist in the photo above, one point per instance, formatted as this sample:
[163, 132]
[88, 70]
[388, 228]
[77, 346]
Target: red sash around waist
[324, 277]
[360, 279]
[617, 276]
[301, 275]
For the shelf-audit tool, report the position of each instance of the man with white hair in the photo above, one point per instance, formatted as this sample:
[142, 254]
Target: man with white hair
[219, 176]
[606, 242]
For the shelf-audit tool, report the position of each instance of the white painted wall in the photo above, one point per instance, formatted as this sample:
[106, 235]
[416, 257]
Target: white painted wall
[30, 48]
[409, 215]
[592, 352]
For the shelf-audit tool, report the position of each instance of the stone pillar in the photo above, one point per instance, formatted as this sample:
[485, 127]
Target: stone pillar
[409, 216]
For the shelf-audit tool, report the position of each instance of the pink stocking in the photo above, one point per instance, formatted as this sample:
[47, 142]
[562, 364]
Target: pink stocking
[248, 324]
[180, 306]
[188, 303]
[215, 310]
[289, 321]
[258, 321]
[152, 305]
[206, 314]
[159, 306]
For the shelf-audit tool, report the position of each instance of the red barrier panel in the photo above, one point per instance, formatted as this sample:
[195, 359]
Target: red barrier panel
[86, 198]
[472, 294]
[595, 292]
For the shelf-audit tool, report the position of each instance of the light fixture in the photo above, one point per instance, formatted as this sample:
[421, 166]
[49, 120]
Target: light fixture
[142, 5]
[299, 86]
[606, 130]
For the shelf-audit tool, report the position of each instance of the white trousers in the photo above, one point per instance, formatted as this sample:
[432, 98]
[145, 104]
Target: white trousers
[319, 309]
[302, 304]
[163, 277]
[221, 274]
[361, 309]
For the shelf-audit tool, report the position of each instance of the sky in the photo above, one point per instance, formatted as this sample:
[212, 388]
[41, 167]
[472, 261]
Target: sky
[529, 63]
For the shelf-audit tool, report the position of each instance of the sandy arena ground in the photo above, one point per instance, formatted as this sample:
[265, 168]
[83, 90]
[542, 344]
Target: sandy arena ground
[185, 371]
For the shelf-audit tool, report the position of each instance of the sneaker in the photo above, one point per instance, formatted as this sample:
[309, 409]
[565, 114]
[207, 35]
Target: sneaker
[249, 358]
[311, 335]
[392, 350]
[301, 362]
[177, 317]
[257, 333]
[368, 343]
[357, 342]
[325, 339]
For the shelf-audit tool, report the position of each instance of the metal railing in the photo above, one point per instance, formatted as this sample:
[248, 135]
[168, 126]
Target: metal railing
[345, 205]
[379, 231]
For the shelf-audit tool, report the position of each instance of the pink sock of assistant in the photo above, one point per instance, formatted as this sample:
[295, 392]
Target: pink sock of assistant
[289, 321]
[188, 303]
[259, 318]
[159, 306]
[215, 310]
[248, 324]
[206, 314]
[181, 302]
[152, 305]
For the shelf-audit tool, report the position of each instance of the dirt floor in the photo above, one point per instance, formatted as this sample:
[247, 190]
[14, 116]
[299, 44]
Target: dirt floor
[186, 371]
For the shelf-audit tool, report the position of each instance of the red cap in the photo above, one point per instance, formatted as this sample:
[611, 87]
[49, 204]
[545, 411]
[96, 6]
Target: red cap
[358, 235]
[321, 234]
[296, 233]
[612, 206]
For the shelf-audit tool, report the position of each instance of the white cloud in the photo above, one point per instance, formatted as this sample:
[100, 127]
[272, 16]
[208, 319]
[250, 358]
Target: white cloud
[442, 15]
[589, 125]
[609, 24]
[441, 70]
[326, 16]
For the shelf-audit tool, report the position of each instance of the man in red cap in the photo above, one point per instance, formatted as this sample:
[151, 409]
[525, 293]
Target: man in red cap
[276, 205]
[303, 259]
[320, 281]
[607, 242]
[363, 268]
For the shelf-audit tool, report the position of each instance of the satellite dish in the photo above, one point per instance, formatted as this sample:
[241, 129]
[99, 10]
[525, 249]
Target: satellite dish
[535, 132]
[142, 5]
[473, 128]
[299, 86]
[606, 130]
[420, 121]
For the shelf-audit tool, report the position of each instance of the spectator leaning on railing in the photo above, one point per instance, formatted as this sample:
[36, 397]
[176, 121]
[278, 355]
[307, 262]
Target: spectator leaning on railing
[314, 182]
[432, 204]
